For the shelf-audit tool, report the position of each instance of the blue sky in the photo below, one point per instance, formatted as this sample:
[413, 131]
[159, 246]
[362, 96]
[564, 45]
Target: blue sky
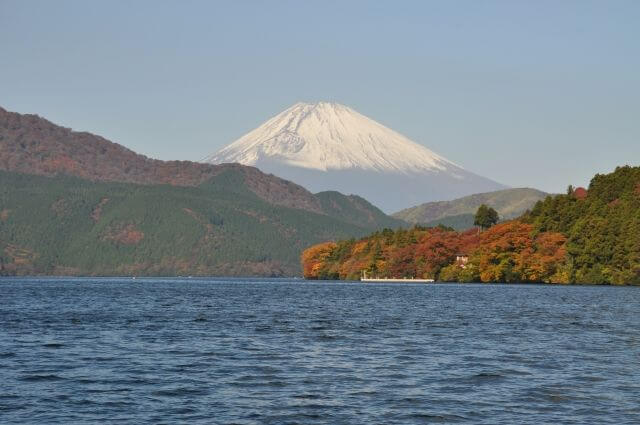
[537, 93]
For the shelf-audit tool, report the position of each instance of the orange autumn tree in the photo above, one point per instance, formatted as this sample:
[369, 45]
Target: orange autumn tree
[313, 259]
[509, 252]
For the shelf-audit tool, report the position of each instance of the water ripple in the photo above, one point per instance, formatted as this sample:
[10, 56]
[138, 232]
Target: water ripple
[277, 351]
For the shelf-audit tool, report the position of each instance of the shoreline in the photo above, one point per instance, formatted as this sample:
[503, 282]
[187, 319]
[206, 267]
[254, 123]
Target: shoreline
[297, 279]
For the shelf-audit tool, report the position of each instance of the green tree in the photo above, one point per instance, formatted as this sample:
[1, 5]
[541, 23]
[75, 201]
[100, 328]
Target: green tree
[485, 217]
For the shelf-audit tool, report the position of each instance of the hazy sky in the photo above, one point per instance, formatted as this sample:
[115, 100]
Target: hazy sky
[537, 93]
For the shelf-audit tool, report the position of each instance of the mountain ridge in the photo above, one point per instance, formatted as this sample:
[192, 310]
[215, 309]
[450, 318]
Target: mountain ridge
[510, 203]
[34, 145]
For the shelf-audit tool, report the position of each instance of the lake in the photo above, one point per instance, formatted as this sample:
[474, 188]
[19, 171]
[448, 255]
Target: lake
[251, 351]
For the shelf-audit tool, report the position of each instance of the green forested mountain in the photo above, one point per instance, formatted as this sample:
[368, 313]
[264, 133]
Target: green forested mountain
[68, 225]
[123, 213]
[458, 213]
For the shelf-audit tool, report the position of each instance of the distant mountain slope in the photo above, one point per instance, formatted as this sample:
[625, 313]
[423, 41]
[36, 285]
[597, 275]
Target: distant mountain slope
[328, 146]
[356, 210]
[509, 203]
[31, 144]
[123, 213]
[70, 226]
[456, 222]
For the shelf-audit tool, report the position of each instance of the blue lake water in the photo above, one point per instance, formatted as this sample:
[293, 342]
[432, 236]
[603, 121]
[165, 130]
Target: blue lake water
[278, 352]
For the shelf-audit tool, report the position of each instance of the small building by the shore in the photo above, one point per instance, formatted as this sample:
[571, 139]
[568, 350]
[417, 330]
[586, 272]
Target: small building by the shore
[462, 260]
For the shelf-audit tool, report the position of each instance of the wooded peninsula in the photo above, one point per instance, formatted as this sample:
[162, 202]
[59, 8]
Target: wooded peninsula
[585, 236]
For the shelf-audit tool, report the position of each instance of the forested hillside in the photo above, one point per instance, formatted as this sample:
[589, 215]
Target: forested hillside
[602, 227]
[124, 213]
[70, 226]
[585, 236]
[356, 210]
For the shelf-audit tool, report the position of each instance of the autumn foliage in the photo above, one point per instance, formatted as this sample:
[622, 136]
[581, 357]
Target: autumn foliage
[313, 257]
[507, 252]
[587, 236]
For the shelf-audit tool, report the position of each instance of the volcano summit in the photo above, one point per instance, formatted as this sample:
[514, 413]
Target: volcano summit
[328, 146]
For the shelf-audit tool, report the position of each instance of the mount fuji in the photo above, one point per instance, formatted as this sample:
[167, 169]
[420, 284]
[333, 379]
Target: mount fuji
[328, 146]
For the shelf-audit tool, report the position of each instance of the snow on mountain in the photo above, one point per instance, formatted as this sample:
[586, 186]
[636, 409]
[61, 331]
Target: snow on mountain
[328, 136]
[328, 146]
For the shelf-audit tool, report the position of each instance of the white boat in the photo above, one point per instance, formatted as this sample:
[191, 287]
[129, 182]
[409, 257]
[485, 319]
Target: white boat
[403, 280]
[364, 278]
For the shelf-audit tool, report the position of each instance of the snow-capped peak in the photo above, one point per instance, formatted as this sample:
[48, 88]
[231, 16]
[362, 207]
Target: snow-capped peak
[329, 136]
